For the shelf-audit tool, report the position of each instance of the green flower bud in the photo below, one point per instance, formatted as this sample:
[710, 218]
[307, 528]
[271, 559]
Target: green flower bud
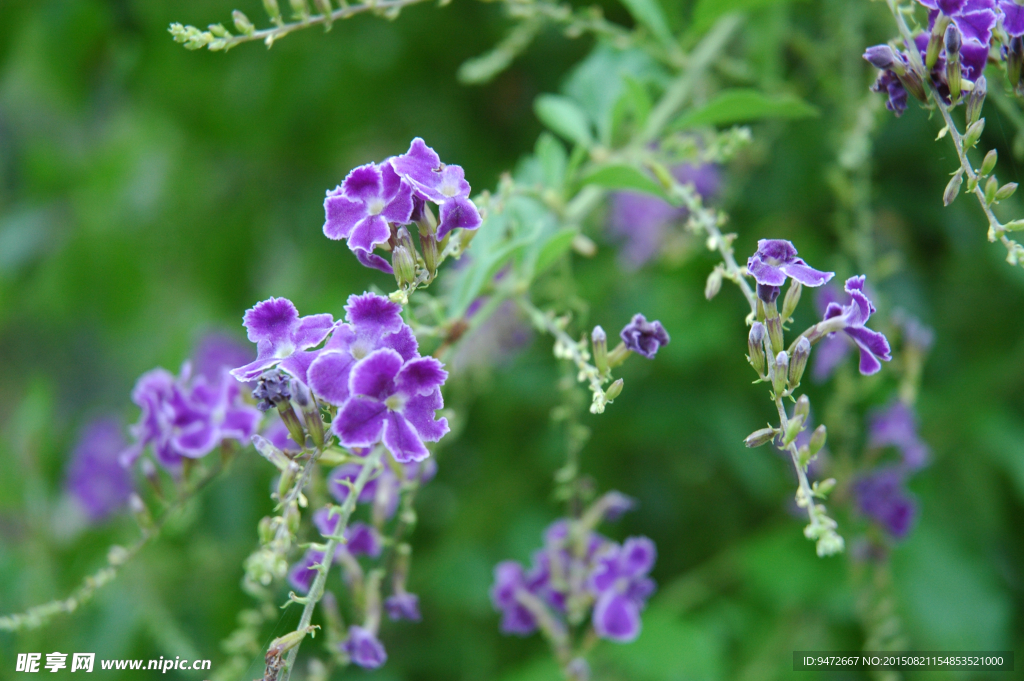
[1006, 191]
[755, 347]
[614, 390]
[781, 372]
[792, 299]
[775, 333]
[801, 353]
[599, 343]
[989, 163]
[818, 439]
[802, 408]
[242, 23]
[760, 437]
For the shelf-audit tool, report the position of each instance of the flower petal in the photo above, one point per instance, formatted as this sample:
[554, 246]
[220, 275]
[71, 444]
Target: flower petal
[373, 261]
[804, 273]
[374, 375]
[421, 376]
[360, 422]
[342, 214]
[328, 376]
[364, 184]
[369, 233]
[419, 412]
[274, 320]
[402, 441]
[457, 213]
[616, 618]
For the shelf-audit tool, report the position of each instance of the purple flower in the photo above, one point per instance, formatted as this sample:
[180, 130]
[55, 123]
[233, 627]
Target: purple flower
[217, 353]
[403, 606]
[874, 348]
[373, 323]
[393, 401]
[95, 478]
[382, 490]
[890, 84]
[363, 648]
[187, 416]
[641, 221]
[442, 184]
[303, 574]
[621, 586]
[1013, 17]
[975, 20]
[896, 426]
[280, 336]
[361, 208]
[516, 619]
[882, 497]
[776, 259]
[643, 337]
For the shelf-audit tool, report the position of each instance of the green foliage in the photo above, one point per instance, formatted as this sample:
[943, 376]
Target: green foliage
[744, 105]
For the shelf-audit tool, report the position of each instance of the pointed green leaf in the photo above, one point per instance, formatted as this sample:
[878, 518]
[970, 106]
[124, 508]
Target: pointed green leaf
[736, 106]
[649, 13]
[564, 117]
[622, 176]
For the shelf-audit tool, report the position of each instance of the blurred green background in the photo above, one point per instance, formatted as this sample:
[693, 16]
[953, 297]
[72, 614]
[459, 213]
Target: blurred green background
[149, 194]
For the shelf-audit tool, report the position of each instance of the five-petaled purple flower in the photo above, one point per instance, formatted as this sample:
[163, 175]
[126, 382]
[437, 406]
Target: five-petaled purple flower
[975, 20]
[281, 336]
[361, 207]
[874, 348]
[95, 478]
[188, 416]
[644, 337]
[363, 648]
[882, 497]
[444, 185]
[393, 401]
[621, 586]
[774, 261]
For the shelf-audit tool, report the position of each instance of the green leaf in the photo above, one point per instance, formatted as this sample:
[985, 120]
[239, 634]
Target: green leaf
[553, 159]
[736, 106]
[555, 246]
[622, 176]
[648, 13]
[564, 117]
[706, 11]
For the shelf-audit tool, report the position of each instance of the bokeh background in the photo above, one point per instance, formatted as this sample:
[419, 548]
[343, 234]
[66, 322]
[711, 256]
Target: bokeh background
[149, 194]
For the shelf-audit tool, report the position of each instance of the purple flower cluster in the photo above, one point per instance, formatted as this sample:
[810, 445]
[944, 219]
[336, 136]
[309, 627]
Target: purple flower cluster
[369, 368]
[376, 199]
[95, 478]
[383, 490]
[954, 50]
[189, 415]
[641, 221]
[579, 571]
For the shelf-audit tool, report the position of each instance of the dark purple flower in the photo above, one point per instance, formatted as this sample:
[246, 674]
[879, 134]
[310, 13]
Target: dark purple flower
[442, 184]
[833, 348]
[643, 337]
[303, 574]
[896, 426]
[403, 606]
[882, 497]
[975, 20]
[621, 586]
[874, 348]
[890, 84]
[776, 259]
[188, 416]
[363, 648]
[281, 336]
[361, 208]
[641, 221]
[373, 323]
[393, 401]
[95, 478]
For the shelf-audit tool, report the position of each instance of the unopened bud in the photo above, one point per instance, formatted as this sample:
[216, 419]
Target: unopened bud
[273, 11]
[288, 475]
[817, 439]
[952, 189]
[271, 453]
[1006, 191]
[973, 133]
[242, 23]
[755, 347]
[793, 428]
[935, 40]
[1014, 60]
[714, 283]
[430, 254]
[760, 437]
[265, 530]
[599, 343]
[775, 333]
[989, 162]
[881, 57]
[801, 353]
[792, 299]
[283, 644]
[614, 390]
[781, 372]
[403, 265]
[991, 187]
[767, 293]
[802, 408]
[300, 9]
[976, 100]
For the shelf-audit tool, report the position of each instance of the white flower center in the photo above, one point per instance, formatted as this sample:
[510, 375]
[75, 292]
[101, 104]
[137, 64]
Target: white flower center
[358, 351]
[395, 402]
[375, 206]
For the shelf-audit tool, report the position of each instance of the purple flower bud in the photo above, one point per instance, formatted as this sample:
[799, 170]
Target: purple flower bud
[881, 497]
[95, 479]
[881, 57]
[643, 337]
